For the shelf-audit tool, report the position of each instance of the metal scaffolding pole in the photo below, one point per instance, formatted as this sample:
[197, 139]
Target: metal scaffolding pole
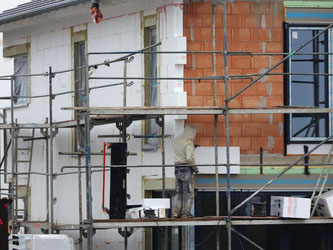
[88, 164]
[12, 130]
[225, 47]
[51, 75]
[217, 191]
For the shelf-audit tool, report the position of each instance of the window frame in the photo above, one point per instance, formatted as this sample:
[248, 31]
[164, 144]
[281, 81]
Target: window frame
[26, 101]
[287, 86]
[150, 22]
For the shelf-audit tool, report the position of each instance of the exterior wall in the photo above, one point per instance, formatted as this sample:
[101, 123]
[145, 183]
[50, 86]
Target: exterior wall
[51, 45]
[254, 26]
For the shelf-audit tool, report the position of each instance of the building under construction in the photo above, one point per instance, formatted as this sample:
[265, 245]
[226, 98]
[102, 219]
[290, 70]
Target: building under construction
[254, 77]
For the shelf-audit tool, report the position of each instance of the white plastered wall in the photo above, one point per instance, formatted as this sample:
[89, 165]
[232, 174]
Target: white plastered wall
[51, 45]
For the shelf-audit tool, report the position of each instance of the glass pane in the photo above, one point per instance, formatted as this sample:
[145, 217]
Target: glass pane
[21, 83]
[308, 90]
[310, 126]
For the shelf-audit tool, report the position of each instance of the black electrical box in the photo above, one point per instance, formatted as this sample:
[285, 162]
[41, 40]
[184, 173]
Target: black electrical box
[4, 224]
[118, 186]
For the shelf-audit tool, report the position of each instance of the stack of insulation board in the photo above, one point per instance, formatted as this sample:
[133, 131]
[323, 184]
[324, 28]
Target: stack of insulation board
[325, 204]
[290, 207]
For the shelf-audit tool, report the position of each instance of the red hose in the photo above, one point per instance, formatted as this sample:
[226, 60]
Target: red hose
[105, 144]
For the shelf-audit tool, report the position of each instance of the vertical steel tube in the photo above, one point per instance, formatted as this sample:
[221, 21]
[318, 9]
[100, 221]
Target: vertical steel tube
[227, 119]
[78, 147]
[88, 162]
[13, 150]
[47, 174]
[51, 150]
[165, 229]
[125, 84]
[217, 192]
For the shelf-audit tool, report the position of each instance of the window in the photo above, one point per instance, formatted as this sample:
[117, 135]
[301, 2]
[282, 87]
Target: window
[21, 84]
[80, 81]
[151, 87]
[309, 90]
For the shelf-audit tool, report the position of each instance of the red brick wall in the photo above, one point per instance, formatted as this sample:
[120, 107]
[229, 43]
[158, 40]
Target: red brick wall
[251, 26]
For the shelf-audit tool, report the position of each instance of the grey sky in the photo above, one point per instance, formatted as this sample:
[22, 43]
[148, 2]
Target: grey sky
[5, 5]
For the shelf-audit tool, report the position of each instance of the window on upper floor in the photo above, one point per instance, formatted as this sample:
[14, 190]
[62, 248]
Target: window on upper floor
[151, 87]
[80, 81]
[311, 86]
[21, 83]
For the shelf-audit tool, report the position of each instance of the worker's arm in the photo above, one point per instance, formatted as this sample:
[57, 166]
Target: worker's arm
[95, 11]
[190, 156]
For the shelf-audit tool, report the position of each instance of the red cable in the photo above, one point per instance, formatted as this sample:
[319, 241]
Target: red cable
[105, 144]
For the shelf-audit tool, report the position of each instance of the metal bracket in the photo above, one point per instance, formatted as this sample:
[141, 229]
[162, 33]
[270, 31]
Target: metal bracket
[54, 132]
[160, 121]
[119, 125]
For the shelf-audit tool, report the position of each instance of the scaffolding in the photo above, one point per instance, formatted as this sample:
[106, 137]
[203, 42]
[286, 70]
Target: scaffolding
[87, 116]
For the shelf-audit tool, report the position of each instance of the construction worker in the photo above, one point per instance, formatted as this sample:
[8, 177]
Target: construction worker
[185, 166]
[95, 11]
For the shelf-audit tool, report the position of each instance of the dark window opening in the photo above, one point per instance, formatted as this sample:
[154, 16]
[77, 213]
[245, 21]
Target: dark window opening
[308, 90]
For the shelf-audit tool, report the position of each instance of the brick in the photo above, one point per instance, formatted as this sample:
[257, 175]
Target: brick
[236, 103]
[240, 8]
[250, 101]
[203, 118]
[261, 7]
[274, 21]
[260, 35]
[276, 101]
[251, 21]
[203, 61]
[274, 47]
[262, 118]
[258, 142]
[236, 129]
[206, 141]
[209, 101]
[209, 129]
[254, 47]
[220, 34]
[243, 142]
[241, 34]
[219, 9]
[195, 100]
[235, 46]
[194, 73]
[238, 62]
[276, 8]
[204, 89]
[277, 89]
[237, 86]
[194, 20]
[240, 118]
[278, 147]
[194, 46]
[202, 34]
[208, 46]
[234, 21]
[252, 129]
[207, 21]
[277, 35]
[202, 8]
[271, 130]
[219, 72]
[260, 62]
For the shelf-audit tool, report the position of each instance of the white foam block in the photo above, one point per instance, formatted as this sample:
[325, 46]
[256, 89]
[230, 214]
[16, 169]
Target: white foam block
[290, 207]
[206, 155]
[325, 204]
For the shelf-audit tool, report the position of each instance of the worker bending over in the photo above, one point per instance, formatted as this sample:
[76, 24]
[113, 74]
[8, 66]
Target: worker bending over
[95, 11]
[184, 169]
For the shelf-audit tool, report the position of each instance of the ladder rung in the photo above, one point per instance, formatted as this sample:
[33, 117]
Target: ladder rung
[18, 210]
[23, 161]
[24, 136]
[23, 149]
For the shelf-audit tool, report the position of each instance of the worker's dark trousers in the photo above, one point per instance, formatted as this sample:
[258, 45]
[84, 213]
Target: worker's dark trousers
[184, 191]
